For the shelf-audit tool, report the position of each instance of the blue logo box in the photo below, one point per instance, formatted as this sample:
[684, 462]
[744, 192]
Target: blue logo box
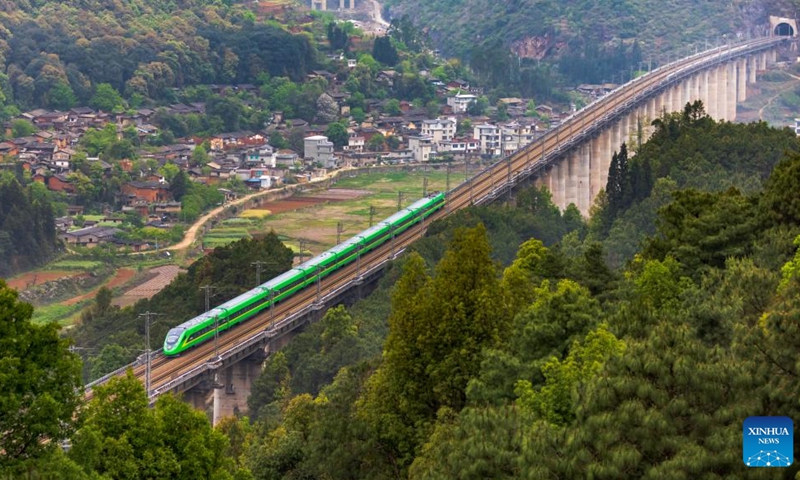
[768, 441]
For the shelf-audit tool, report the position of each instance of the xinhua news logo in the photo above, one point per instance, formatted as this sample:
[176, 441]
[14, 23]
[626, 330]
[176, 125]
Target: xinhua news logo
[768, 441]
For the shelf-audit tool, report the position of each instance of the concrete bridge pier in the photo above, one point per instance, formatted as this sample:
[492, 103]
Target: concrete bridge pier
[233, 385]
[741, 80]
[584, 174]
[732, 90]
[677, 98]
[573, 158]
[751, 69]
[558, 192]
[711, 92]
[762, 61]
[722, 93]
[595, 173]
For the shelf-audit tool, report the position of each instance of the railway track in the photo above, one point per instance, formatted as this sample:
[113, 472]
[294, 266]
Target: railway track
[485, 186]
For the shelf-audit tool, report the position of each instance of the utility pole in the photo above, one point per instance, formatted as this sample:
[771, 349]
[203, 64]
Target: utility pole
[371, 214]
[147, 317]
[258, 264]
[424, 186]
[208, 289]
[339, 231]
[302, 249]
[447, 177]
[508, 182]
[319, 286]
[399, 201]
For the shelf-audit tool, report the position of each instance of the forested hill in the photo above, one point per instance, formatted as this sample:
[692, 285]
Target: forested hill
[560, 367]
[548, 29]
[55, 53]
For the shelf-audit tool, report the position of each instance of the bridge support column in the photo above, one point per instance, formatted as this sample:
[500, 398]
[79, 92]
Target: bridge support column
[197, 398]
[722, 92]
[762, 61]
[236, 381]
[741, 80]
[751, 69]
[773, 57]
[598, 144]
[559, 183]
[732, 90]
[677, 98]
[571, 162]
[713, 92]
[669, 102]
[584, 173]
[652, 111]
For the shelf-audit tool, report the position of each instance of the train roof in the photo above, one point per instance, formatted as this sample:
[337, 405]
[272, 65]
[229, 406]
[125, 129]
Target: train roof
[287, 275]
[371, 230]
[200, 318]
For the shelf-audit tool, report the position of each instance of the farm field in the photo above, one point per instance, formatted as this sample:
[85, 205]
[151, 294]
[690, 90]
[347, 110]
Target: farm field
[314, 216]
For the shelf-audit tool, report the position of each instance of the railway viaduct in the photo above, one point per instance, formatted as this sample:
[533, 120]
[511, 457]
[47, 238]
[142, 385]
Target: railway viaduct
[580, 170]
[572, 160]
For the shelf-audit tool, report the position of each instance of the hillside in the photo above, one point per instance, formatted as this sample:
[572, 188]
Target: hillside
[54, 54]
[548, 29]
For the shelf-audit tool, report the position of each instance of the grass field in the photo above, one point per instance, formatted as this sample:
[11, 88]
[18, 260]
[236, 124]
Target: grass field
[317, 224]
[76, 265]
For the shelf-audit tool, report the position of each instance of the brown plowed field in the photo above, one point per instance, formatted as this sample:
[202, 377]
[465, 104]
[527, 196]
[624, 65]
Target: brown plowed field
[298, 202]
[27, 280]
[122, 276]
[162, 277]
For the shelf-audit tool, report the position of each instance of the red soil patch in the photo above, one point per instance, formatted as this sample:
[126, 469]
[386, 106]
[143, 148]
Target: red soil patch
[122, 276]
[30, 279]
[296, 203]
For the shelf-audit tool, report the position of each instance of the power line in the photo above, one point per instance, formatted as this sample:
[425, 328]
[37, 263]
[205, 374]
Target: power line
[258, 264]
[147, 315]
[208, 289]
[339, 230]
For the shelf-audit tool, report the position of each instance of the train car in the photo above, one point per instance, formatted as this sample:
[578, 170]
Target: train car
[252, 302]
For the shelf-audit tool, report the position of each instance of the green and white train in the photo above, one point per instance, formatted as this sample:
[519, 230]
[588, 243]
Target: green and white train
[249, 304]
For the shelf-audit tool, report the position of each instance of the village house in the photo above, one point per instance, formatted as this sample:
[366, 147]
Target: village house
[59, 183]
[89, 236]
[460, 102]
[286, 157]
[421, 148]
[439, 129]
[147, 191]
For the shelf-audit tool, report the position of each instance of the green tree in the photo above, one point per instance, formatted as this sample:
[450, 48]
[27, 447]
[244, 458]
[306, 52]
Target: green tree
[384, 52]
[376, 142]
[22, 128]
[337, 134]
[358, 115]
[554, 401]
[438, 329]
[393, 107]
[40, 383]
[61, 96]
[106, 98]
[120, 436]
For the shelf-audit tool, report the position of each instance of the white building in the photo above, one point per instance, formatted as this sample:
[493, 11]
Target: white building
[460, 146]
[460, 102]
[514, 136]
[259, 156]
[355, 143]
[420, 148]
[489, 138]
[319, 149]
[439, 129]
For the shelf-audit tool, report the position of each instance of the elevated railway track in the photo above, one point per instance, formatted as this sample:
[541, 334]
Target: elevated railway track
[175, 374]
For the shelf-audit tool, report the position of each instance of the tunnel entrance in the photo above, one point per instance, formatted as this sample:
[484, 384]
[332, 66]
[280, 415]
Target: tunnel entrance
[784, 30]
